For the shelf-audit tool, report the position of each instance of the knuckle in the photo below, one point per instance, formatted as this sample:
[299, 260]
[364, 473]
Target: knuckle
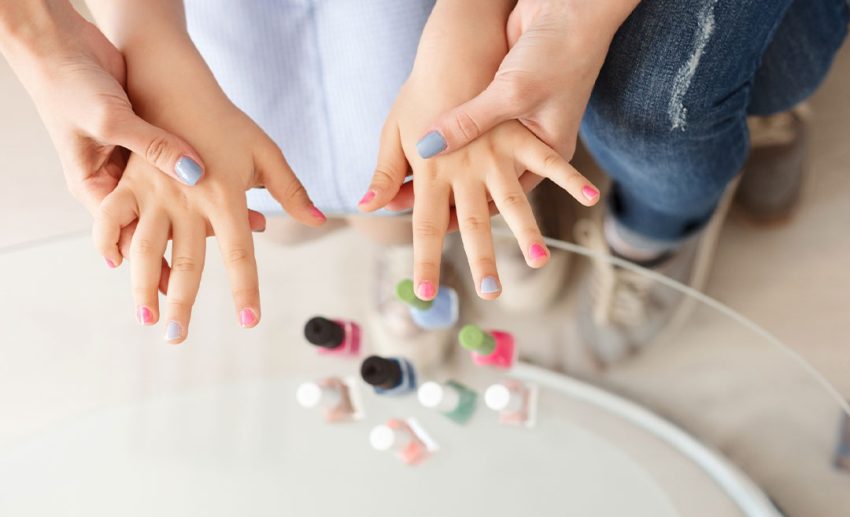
[473, 223]
[426, 229]
[143, 247]
[513, 200]
[157, 150]
[383, 176]
[238, 256]
[466, 125]
[184, 264]
[180, 303]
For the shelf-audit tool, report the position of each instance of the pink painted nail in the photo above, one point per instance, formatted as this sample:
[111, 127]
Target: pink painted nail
[144, 315]
[590, 193]
[425, 291]
[247, 318]
[537, 252]
[369, 196]
[110, 263]
[317, 213]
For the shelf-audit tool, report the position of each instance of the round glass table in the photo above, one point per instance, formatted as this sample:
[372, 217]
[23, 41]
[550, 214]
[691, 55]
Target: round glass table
[715, 418]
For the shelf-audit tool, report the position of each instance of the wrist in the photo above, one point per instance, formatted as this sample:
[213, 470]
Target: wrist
[603, 17]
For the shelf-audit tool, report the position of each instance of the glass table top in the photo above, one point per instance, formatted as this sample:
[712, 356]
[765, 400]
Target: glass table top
[714, 418]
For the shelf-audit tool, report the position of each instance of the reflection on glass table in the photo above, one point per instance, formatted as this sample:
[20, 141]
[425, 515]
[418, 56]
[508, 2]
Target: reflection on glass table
[715, 418]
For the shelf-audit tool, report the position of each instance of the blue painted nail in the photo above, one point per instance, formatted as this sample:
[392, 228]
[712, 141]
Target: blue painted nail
[431, 144]
[490, 285]
[188, 170]
[173, 331]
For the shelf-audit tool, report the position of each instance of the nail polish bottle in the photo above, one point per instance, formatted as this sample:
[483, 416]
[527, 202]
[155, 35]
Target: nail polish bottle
[439, 313]
[842, 450]
[515, 402]
[406, 438]
[337, 397]
[452, 399]
[389, 375]
[333, 336]
[493, 348]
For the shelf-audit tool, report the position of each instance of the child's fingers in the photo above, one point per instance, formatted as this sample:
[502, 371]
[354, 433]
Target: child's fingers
[513, 204]
[389, 173]
[146, 252]
[118, 210]
[236, 244]
[278, 178]
[187, 262]
[430, 220]
[540, 159]
[474, 223]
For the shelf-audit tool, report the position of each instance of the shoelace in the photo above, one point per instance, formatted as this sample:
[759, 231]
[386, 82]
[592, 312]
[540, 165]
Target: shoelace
[619, 297]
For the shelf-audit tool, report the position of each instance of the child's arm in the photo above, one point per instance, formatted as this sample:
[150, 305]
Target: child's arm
[169, 84]
[461, 48]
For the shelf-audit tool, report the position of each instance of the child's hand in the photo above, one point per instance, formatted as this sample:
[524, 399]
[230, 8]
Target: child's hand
[456, 60]
[239, 156]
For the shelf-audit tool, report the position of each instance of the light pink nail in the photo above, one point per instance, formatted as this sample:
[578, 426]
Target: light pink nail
[317, 213]
[247, 318]
[590, 193]
[369, 196]
[537, 252]
[144, 315]
[425, 291]
[110, 263]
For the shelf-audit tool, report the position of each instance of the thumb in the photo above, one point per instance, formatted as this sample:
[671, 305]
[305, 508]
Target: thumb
[165, 151]
[460, 126]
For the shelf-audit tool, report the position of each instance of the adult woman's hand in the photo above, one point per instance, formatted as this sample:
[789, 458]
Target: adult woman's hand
[557, 48]
[76, 78]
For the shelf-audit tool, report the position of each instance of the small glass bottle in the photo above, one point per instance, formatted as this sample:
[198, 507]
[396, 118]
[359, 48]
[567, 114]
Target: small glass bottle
[439, 313]
[452, 399]
[389, 375]
[515, 402]
[406, 439]
[333, 336]
[337, 398]
[493, 348]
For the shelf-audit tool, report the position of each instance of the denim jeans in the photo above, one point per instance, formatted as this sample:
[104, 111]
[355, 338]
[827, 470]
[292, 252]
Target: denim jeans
[667, 118]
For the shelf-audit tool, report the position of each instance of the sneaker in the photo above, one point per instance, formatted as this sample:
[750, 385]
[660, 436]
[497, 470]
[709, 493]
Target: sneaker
[622, 311]
[773, 174]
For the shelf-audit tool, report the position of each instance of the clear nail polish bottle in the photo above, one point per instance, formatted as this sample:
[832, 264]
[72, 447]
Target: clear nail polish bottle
[333, 336]
[389, 375]
[337, 397]
[406, 438]
[439, 313]
[515, 402]
[493, 348]
[452, 399]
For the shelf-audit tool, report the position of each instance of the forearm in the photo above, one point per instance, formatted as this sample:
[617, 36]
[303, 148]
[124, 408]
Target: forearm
[29, 28]
[603, 17]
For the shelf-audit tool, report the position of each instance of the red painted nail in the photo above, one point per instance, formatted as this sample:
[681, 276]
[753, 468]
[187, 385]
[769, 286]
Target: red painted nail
[247, 318]
[317, 213]
[369, 196]
[537, 252]
[144, 315]
[590, 193]
[110, 263]
[425, 291]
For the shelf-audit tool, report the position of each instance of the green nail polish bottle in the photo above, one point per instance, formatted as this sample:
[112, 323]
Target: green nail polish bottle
[452, 399]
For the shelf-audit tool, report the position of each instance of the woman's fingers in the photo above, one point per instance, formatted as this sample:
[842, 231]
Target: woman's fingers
[390, 172]
[473, 218]
[187, 262]
[278, 178]
[117, 211]
[237, 248]
[146, 252]
[430, 220]
[513, 204]
[539, 158]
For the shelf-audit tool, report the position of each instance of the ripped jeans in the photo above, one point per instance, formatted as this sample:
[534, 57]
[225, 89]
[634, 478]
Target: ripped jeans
[667, 118]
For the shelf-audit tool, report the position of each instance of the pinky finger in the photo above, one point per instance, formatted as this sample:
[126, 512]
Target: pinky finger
[117, 211]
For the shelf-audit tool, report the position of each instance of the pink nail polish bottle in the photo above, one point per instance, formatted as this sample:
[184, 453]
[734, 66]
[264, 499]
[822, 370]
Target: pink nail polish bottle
[493, 348]
[515, 402]
[333, 336]
[337, 397]
[406, 438]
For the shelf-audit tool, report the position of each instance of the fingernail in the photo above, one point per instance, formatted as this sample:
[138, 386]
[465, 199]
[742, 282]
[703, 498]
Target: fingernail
[247, 318]
[431, 144]
[173, 331]
[368, 197]
[144, 315]
[425, 291]
[318, 213]
[590, 193]
[188, 170]
[490, 285]
[537, 252]
[110, 263]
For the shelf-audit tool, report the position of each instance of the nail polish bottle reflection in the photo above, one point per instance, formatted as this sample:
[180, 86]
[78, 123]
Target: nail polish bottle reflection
[406, 438]
[515, 402]
[439, 313]
[337, 397]
[333, 336]
[493, 348]
[452, 399]
[388, 375]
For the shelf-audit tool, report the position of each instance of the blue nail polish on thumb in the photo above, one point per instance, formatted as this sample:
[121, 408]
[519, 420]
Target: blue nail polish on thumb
[431, 144]
[188, 170]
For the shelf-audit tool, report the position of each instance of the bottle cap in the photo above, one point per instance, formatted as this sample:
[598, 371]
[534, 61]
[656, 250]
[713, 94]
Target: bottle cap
[473, 338]
[405, 292]
[309, 394]
[381, 372]
[382, 438]
[324, 332]
[431, 394]
[497, 397]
